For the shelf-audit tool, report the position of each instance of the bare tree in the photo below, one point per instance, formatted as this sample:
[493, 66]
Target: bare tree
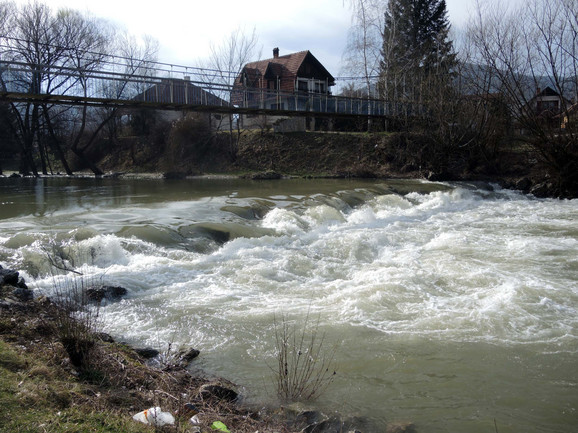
[30, 30]
[570, 12]
[85, 41]
[7, 124]
[363, 51]
[482, 122]
[527, 49]
[61, 53]
[6, 10]
[43, 43]
[133, 58]
[226, 62]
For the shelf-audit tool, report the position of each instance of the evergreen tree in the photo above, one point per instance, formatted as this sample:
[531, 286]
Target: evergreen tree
[416, 50]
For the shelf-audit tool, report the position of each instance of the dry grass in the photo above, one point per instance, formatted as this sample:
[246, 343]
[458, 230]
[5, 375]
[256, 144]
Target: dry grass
[41, 390]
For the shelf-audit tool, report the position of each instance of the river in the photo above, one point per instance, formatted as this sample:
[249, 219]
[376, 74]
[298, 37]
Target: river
[453, 306]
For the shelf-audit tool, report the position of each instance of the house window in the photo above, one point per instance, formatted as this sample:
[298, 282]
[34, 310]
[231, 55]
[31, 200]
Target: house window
[311, 86]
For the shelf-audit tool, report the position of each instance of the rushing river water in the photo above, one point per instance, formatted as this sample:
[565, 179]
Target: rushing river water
[450, 305]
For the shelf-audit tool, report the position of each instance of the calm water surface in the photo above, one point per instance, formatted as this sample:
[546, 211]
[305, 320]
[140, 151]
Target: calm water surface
[450, 305]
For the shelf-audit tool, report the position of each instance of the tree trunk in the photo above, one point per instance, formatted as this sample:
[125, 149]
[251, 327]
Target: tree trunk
[80, 151]
[41, 149]
[27, 160]
[80, 154]
[56, 144]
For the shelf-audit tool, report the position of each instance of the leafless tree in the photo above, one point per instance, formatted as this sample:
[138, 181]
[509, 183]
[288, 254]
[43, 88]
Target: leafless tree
[6, 10]
[59, 53]
[225, 63]
[30, 30]
[132, 58]
[85, 41]
[482, 118]
[363, 51]
[528, 49]
[7, 124]
[570, 13]
[362, 54]
[228, 58]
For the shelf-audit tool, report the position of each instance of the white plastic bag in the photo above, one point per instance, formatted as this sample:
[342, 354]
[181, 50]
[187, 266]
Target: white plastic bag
[155, 416]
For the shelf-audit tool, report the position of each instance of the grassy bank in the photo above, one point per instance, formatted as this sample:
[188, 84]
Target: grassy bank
[37, 396]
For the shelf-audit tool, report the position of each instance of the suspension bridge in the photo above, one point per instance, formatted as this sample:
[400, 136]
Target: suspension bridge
[133, 83]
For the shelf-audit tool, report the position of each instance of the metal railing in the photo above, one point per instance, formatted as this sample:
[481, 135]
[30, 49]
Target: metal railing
[168, 87]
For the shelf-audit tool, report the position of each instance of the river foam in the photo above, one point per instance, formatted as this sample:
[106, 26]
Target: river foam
[449, 264]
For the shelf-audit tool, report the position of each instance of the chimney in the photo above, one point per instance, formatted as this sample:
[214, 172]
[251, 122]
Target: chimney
[275, 53]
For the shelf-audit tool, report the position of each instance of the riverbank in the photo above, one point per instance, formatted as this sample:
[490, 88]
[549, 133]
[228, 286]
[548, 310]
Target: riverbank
[266, 155]
[332, 155]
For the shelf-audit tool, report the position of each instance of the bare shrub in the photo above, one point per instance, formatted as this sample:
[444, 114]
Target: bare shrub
[189, 138]
[304, 364]
[76, 320]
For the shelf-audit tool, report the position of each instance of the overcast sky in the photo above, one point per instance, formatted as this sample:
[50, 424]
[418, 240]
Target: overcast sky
[186, 28]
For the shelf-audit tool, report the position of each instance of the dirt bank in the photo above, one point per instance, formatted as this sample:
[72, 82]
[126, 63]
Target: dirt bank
[318, 154]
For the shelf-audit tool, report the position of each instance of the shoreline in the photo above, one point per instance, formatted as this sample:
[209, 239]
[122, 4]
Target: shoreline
[117, 380]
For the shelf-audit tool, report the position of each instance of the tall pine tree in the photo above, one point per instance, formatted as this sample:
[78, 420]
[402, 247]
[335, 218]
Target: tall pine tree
[417, 54]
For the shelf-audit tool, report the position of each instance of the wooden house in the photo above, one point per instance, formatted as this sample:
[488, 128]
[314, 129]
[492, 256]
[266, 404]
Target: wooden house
[290, 82]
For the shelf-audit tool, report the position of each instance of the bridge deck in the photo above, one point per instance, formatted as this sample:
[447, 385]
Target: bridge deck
[41, 84]
[172, 106]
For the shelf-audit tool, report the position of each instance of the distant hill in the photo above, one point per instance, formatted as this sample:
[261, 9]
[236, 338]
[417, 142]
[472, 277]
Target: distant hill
[472, 76]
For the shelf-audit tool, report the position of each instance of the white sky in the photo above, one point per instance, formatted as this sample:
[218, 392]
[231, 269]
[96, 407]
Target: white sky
[186, 28]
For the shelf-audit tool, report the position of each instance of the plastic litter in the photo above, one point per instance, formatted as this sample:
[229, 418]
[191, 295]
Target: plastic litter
[218, 425]
[155, 416]
[195, 420]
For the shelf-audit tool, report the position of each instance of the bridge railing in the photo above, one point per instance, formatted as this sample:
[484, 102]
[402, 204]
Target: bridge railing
[181, 88]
